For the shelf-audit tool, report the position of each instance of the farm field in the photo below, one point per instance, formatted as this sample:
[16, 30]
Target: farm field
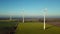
[7, 27]
[36, 28]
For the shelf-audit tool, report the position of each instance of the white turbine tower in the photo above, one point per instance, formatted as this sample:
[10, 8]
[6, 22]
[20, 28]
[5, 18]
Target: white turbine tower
[45, 10]
[23, 16]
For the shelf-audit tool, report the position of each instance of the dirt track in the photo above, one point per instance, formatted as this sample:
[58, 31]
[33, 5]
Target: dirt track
[54, 23]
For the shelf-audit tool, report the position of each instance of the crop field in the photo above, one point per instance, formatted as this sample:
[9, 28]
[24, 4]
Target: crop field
[6, 27]
[36, 28]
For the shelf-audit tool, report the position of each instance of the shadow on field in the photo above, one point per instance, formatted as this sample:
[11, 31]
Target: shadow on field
[49, 27]
[46, 28]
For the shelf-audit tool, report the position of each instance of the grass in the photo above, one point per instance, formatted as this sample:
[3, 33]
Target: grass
[31, 27]
[7, 26]
[36, 28]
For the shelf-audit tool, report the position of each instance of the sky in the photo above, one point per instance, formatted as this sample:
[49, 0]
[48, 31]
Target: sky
[30, 7]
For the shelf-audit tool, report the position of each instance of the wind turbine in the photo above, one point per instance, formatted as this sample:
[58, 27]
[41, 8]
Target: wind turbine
[23, 16]
[45, 10]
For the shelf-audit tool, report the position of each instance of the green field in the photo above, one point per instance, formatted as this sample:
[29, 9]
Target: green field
[29, 27]
[7, 26]
[36, 28]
